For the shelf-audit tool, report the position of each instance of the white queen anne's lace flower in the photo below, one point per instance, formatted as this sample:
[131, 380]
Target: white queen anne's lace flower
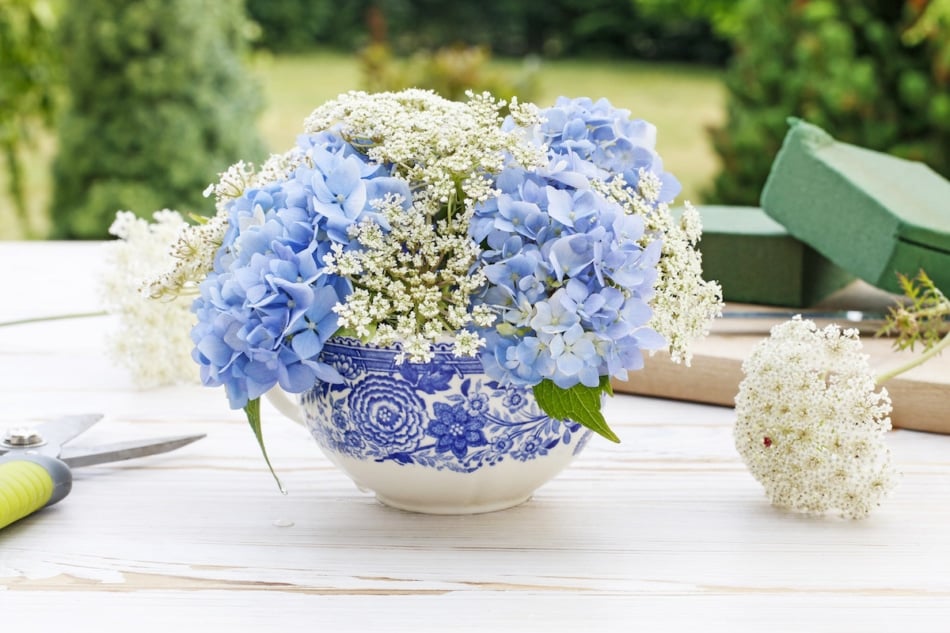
[152, 339]
[811, 423]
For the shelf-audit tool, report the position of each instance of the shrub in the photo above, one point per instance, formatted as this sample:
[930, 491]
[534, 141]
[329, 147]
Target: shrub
[873, 73]
[159, 105]
[448, 71]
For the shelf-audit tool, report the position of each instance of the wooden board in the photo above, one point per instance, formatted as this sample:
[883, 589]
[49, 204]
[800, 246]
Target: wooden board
[921, 397]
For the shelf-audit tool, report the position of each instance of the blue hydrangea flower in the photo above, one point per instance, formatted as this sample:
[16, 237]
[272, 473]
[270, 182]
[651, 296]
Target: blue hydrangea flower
[515, 361]
[576, 358]
[608, 139]
[264, 323]
[566, 273]
[266, 310]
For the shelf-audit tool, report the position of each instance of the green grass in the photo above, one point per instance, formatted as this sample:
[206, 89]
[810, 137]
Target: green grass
[681, 101]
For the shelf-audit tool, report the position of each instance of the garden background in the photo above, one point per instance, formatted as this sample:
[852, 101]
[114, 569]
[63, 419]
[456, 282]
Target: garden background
[138, 104]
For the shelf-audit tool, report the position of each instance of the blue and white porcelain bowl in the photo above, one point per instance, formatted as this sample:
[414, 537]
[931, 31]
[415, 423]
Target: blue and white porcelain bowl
[440, 437]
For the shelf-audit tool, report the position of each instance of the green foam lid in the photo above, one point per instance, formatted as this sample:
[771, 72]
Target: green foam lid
[870, 213]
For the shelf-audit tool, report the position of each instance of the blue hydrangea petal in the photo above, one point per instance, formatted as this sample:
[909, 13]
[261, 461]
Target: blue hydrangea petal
[306, 343]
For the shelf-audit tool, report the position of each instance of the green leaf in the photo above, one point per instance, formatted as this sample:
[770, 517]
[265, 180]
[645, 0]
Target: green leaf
[253, 411]
[579, 403]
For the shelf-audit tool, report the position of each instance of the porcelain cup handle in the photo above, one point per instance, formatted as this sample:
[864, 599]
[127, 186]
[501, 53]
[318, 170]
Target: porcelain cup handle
[286, 405]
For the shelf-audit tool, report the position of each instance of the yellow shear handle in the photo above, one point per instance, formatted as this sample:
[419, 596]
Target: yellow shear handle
[30, 482]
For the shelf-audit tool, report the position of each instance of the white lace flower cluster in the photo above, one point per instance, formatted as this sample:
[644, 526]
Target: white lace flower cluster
[414, 282]
[421, 275]
[684, 304]
[152, 339]
[811, 423]
[451, 150]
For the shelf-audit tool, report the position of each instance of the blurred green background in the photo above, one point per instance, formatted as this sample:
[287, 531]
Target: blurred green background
[138, 104]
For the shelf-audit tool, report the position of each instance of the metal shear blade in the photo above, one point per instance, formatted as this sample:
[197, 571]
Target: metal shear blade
[48, 439]
[76, 457]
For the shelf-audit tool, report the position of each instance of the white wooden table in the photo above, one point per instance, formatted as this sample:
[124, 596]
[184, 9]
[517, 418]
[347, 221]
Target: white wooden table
[664, 532]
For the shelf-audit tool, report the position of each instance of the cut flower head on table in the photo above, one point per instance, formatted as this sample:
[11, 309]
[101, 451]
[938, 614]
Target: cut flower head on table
[539, 240]
[811, 416]
[811, 422]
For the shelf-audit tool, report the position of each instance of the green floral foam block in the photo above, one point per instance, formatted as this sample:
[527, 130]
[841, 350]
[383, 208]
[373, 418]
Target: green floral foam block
[756, 261]
[870, 213]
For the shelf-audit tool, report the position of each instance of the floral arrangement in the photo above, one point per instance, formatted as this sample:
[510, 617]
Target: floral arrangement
[538, 240]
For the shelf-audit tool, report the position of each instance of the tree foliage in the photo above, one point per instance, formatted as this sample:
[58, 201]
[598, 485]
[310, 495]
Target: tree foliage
[873, 73]
[27, 83]
[159, 104]
[298, 25]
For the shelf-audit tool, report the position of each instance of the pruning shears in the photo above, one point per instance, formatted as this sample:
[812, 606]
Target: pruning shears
[35, 468]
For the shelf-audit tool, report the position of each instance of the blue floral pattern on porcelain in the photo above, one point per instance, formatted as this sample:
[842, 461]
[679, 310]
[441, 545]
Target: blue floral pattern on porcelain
[445, 415]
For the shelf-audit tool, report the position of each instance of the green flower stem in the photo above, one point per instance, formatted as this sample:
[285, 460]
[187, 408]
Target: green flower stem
[56, 317]
[253, 411]
[919, 360]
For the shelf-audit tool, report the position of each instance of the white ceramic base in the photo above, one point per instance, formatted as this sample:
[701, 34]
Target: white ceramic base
[412, 505]
[429, 491]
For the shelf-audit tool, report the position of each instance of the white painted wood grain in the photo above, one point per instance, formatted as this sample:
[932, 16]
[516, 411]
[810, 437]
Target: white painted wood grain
[664, 532]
